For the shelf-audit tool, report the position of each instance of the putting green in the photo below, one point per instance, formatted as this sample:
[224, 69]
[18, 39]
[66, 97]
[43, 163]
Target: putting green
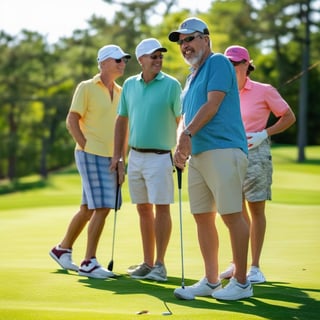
[33, 287]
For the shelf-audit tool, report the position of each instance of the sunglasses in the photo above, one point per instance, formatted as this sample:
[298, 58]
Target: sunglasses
[125, 60]
[155, 57]
[188, 39]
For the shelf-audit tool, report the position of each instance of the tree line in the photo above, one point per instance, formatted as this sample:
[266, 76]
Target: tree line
[37, 78]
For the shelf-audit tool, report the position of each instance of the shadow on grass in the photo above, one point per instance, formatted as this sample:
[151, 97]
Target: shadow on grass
[289, 154]
[15, 186]
[33, 182]
[271, 300]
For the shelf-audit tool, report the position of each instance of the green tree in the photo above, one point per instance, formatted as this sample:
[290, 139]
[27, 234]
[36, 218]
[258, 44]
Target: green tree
[37, 80]
[20, 68]
[292, 22]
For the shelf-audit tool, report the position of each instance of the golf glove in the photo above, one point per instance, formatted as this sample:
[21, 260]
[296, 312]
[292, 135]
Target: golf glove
[255, 138]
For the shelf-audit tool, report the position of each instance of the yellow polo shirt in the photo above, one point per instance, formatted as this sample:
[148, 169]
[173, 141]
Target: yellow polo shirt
[92, 101]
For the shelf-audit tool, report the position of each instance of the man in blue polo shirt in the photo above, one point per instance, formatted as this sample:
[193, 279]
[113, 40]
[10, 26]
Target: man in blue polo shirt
[212, 133]
[150, 109]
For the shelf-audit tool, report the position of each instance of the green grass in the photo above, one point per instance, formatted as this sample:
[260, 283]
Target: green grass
[33, 220]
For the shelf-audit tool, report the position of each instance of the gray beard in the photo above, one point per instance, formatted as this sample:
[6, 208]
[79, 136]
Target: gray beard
[195, 61]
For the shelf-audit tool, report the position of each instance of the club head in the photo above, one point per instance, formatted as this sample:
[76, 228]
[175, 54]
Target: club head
[166, 313]
[110, 265]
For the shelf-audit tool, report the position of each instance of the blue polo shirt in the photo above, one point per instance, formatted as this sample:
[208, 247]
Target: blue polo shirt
[225, 129]
[152, 109]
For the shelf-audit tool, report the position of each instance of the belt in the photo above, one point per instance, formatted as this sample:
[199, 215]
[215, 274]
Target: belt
[157, 151]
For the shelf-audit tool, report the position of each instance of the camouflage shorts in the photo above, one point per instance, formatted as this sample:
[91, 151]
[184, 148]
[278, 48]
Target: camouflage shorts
[257, 184]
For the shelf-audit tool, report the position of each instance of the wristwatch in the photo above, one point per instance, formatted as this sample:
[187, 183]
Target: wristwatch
[187, 133]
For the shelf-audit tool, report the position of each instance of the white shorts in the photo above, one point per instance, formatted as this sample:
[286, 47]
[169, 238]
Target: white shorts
[150, 178]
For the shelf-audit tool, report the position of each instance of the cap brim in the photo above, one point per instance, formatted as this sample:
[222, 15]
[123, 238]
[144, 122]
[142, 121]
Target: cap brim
[155, 50]
[174, 35]
[161, 50]
[120, 55]
[235, 59]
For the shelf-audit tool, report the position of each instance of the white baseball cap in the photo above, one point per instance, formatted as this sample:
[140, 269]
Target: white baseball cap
[111, 51]
[148, 46]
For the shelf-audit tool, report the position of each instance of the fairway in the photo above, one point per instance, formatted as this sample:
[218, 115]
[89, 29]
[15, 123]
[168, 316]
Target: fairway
[33, 287]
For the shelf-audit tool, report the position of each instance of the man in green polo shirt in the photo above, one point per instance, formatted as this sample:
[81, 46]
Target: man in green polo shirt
[149, 110]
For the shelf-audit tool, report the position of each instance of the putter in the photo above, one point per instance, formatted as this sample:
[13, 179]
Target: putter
[166, 313]
[110, 265]
[179, 174]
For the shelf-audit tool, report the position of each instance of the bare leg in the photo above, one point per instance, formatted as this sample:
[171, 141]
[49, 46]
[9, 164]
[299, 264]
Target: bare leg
[245, 213]
[77, 223]
[95, 229]
[257, 230]
[163, 227]
[147, 222]
[209, 243]
[246, 217]
[239, 236]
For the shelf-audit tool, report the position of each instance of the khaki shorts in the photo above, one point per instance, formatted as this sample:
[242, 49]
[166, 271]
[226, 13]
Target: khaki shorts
[215, 181]
[150, 178]
[257, 184]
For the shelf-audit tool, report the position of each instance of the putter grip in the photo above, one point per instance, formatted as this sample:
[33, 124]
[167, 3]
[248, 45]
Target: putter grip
[179, 174]
[117, 192]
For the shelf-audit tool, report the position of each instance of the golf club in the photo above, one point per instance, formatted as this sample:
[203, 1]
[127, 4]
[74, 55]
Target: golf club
[110, 265]
[166, 313]
[179, 174]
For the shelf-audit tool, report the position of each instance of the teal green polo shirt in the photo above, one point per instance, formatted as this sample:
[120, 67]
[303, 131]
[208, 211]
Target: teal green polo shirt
[151, 109]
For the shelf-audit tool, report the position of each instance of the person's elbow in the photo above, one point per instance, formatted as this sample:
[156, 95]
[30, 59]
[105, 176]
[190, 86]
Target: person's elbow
[292, 117]
[68, 122]
[72, 120]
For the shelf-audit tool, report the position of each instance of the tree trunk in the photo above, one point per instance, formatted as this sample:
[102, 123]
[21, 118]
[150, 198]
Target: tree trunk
[303, 92]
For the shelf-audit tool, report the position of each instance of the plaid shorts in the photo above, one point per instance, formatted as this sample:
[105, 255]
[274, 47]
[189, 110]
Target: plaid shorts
[99, 184]
[257, 184]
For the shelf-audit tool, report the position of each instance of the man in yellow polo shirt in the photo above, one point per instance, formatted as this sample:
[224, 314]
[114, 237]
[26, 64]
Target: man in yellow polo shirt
[90, 122]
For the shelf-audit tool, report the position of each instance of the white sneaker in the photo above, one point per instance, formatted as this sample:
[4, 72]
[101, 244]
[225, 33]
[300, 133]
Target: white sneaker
[228, 273]
[63, 257]
[92, 269]
[201, 289]
[233, 291]
[255, 275]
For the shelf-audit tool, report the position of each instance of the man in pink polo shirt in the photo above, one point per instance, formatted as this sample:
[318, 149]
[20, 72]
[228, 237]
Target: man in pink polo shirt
[257, 101]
